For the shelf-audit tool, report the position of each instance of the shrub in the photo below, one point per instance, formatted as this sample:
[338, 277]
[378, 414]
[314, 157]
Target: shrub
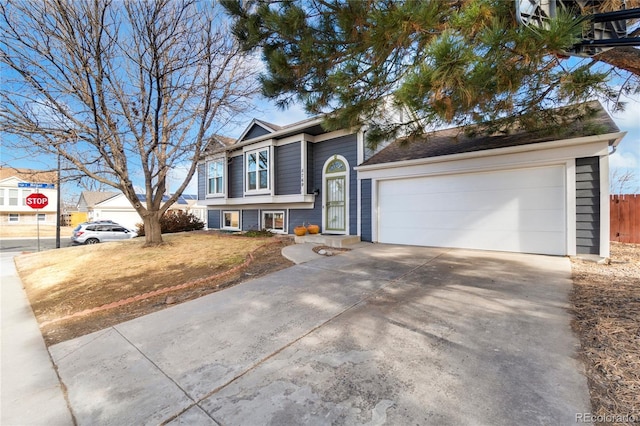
[254, 233]
[176, 221]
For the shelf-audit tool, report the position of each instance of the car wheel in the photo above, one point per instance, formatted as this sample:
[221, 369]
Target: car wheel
[92, 241]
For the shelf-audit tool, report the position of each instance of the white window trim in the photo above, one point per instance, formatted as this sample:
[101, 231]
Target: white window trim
[284, 220]
[222, 160]
[231, 228]
[261, 191]
[13, 214]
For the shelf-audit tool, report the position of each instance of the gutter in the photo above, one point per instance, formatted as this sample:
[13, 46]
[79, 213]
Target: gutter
[613, 140]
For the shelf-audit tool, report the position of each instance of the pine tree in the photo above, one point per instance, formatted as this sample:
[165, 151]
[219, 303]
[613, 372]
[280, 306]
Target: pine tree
[457, 62]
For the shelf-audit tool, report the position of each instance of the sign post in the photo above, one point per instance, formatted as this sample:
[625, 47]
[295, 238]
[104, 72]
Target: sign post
[37, 201]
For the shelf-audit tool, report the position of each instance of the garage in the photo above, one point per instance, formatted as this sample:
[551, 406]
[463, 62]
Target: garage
[517, 210]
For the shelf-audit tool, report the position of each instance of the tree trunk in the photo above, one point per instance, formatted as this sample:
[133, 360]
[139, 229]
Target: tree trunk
[626, 58]
[152, 231]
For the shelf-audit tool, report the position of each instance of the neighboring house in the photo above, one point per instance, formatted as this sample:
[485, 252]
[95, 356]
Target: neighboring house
[13, 208]
[523, 192]
[116, 207]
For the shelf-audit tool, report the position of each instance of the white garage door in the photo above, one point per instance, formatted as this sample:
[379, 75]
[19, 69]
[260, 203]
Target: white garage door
[515, 210]
[127, 219]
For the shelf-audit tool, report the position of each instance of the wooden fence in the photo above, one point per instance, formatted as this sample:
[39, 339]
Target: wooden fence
[625, 218]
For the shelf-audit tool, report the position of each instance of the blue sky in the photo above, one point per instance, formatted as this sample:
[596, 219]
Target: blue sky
[626, 157]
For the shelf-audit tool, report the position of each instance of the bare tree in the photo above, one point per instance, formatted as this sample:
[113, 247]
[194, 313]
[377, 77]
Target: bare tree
[624, 181]
[124, 91]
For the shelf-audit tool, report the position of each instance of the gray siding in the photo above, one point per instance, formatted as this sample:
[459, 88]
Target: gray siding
[213, 219]
[255, 132]
[235, 184]
[317, 154]
[287, 169]
[347, 147]
[249, 219]
[588, 205]
[365, 209]
[202, 181]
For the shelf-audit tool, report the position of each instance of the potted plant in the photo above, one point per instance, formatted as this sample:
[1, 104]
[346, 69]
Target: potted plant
[300, 230]
[313, 229]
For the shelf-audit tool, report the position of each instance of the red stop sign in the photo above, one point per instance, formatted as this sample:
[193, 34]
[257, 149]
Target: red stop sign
[37, 201]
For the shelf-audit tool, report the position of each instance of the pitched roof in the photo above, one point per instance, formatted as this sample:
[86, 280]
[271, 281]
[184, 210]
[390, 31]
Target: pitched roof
[218, 143]
[456, 141]
[94, 197]
[29, 175]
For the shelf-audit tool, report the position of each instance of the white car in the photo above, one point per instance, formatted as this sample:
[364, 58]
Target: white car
[99, 232]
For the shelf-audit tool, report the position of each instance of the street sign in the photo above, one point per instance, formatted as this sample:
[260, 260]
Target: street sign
[36, 185]
[37, 201]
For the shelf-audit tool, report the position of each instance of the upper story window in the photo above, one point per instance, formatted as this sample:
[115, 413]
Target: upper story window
[258, 167]
[13, 197]
[215, 177]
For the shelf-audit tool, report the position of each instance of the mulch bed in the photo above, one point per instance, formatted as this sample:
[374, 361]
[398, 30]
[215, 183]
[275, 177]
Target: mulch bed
[606, 307]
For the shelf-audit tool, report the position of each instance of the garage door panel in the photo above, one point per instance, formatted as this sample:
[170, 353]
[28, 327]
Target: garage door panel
[516, 210]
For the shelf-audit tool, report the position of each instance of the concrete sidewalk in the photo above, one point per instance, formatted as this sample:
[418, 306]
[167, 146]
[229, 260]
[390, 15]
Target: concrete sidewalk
[30, 391]
[382, 334]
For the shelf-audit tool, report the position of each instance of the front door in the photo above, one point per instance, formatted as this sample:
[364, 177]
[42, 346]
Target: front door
[335, 196]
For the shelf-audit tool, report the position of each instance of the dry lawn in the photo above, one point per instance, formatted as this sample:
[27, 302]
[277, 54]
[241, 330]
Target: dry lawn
[67, 281]
[25, 231]
[606, 299]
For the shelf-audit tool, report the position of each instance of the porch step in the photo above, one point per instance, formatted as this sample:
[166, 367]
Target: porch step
[335, 241]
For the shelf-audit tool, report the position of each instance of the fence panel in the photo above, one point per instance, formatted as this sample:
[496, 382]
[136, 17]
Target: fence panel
[625, 218]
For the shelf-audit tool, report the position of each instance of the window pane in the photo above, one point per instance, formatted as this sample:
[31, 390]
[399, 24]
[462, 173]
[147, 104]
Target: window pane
[252, 180]
[268, 220]
[218, 165]
[232, 219]
[14, 217]
[251, 163]
[264, 160]
[212, 186]
[42, 217]
[219, 185]
[278, 219]
[13, 197]
[263, 178]
[212, 170]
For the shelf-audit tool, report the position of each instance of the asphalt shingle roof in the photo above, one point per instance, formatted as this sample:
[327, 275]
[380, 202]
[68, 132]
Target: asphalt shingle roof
[455, 141]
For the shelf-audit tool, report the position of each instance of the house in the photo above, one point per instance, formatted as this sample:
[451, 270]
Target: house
[116, 207]
[521, 192]
[13, 207]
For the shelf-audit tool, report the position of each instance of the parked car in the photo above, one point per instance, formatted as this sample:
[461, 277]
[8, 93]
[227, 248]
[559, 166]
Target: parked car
[99, 232]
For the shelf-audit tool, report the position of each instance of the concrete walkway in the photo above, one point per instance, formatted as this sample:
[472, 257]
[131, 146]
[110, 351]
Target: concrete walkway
[381, 334]
[30, 391]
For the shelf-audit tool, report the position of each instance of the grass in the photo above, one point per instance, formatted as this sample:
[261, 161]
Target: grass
[69, 280]
[24, 231]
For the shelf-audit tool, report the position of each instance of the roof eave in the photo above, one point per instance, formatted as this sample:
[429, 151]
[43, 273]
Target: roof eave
[613, 139]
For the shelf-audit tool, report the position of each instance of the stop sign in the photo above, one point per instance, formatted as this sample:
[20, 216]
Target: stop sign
[37, 201]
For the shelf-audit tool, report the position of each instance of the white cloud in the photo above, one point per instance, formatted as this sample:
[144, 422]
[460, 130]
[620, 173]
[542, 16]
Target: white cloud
[623, 160]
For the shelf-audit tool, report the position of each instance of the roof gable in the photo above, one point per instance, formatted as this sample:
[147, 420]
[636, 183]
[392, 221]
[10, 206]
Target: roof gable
[256, 129]
[457, 141]
[91, 198]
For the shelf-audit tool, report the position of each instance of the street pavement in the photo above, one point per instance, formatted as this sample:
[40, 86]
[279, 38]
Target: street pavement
[379, 335]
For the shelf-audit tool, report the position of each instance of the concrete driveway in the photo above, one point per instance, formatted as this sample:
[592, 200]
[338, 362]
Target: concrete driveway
[382, 334]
